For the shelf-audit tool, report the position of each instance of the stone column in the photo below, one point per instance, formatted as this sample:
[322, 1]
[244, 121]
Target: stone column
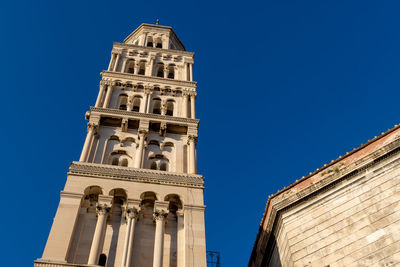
[192, 106]
[192, 140]
[116, 62]
[151, 66]
[111, 61]
[110, 88]
[147, 94]
[163, 107]
[136, 70]
[102, 213]
[124, 64]
[165, 72]
[191, 71]
[131, 215]
[139, 152]
[180, 248]
[159, 217]
[100, 95]
[91, 130]
[185, 97]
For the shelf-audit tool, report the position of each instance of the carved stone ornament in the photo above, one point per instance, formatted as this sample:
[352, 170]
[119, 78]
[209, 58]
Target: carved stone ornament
[159, 215]
[131, 213]
[92, 126]
[192, 138]
[102, 209]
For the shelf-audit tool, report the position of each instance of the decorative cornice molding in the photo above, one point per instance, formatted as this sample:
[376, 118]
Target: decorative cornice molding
[151, 79]
[153, 49]
[139, 115]
[51, 263]
[135, 175]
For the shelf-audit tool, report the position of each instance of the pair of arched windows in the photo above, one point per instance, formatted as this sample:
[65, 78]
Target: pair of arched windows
[170, 71]
[162, 166]
[169, 106]
[119, 162]
[150, 43]
[123, 101]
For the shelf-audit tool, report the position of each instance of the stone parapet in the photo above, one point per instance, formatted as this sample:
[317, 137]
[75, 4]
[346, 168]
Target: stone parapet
[135, 174]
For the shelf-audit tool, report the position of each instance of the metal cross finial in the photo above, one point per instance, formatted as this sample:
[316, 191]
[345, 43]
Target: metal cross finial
[158, 21]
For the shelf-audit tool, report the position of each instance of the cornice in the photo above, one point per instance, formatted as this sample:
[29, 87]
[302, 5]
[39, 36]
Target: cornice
[135, 175]
[153, 49]
[151, 79]
[138, 115]
[51, 263]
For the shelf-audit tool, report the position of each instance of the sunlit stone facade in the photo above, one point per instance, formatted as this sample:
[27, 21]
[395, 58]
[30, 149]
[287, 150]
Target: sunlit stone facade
[134, 198]
[345, 214]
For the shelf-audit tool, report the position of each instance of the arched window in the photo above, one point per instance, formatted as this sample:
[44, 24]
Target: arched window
[136, 103]
[159, 43]
[171, 71]
[150, 41]
[153, 166]
[114, 161]
[124, 163]
[160, 70]
[123, 99]
[170, 108]
[157, 106]
[141, 68]
[102, 259]
[131, 66]
[163, 166]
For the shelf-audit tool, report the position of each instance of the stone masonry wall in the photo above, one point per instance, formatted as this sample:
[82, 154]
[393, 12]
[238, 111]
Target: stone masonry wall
[355, 223]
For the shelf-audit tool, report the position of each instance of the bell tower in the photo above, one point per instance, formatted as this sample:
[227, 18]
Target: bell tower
[134, 199]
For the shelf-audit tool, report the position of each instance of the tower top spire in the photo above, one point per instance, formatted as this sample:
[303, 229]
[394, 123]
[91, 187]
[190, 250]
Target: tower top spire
[158, 22]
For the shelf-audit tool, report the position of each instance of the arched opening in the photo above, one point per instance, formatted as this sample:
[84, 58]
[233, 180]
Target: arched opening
[153, 166]
[124, 163]
[142, 67]
[123, 100]
[149, 41]
[171, 71]
[115, 161]
[160, 70]
[159, 43]
[170, 108]
[175, 202]
[163, 166]
[156, 105]
[131, 66]
[136, 103]
[102, 259]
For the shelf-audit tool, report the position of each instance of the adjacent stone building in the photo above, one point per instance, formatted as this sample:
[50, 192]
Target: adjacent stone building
[345, 214]
[134, 198]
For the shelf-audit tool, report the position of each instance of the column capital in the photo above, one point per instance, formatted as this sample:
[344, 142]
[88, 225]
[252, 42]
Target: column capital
[92, 126]
[179, 213]
[159, 215]
[131, 213]
[148, 89]
[142, 132]
[192, 139]
[102, 209]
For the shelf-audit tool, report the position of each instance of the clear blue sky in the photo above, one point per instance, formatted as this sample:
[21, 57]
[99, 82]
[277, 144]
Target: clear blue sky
[284, 87]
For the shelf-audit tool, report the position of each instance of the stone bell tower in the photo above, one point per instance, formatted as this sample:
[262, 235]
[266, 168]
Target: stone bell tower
[134, 198]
